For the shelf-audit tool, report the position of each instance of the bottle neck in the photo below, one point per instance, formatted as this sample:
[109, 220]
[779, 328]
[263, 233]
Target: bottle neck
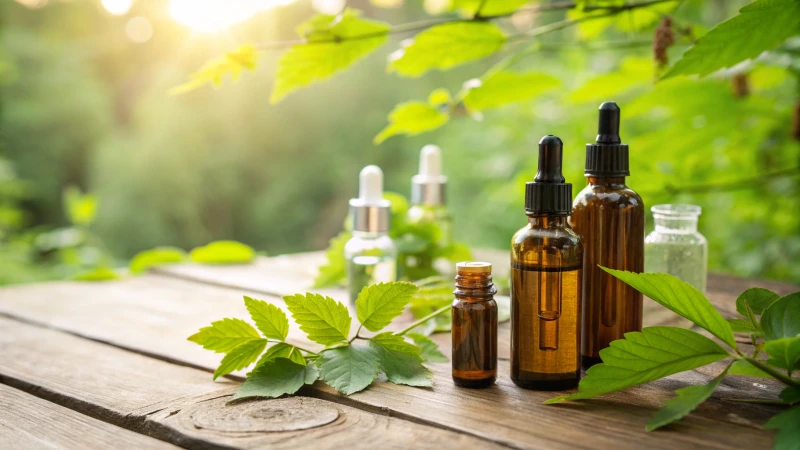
[671, 224]
[546, 221]
[369, 234]
[474, 286]
[606, 181]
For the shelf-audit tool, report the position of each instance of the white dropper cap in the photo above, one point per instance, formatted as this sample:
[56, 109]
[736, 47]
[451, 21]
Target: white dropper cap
[430, 161]
[428, 185]
[370, 185]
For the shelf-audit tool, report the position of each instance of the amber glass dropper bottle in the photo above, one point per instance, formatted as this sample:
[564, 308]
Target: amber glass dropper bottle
[474, 329]
[546, 263]
[609, 217]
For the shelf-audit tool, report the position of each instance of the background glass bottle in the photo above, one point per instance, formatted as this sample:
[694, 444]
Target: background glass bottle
[474, 330]
[371, 254]
[675, 246]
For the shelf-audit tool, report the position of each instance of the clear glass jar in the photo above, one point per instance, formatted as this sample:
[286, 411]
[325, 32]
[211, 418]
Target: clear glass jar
[675, 246]
[371, 258]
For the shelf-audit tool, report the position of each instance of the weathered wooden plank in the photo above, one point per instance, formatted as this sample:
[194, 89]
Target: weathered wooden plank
[28, 422]
[504, 413]
[182, 405]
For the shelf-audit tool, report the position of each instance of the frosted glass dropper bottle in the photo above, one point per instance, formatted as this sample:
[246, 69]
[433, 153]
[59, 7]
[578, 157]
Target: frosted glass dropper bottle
[428, 194]
[371, 254]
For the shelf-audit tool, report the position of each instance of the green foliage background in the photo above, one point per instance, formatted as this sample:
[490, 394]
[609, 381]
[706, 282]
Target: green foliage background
[83, 105]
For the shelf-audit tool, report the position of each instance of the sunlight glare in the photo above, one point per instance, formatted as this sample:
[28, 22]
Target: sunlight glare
[216, 15]
[117, 7]
[329, 7]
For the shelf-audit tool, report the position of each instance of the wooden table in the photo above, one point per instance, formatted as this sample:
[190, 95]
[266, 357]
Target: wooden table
[107, 365]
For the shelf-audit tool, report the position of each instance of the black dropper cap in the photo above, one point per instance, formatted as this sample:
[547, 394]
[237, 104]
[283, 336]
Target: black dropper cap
[547, 193]
[608, 157]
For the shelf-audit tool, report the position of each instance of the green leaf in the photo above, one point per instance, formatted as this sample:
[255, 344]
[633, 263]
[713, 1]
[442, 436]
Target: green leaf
[225, 335]
[439, 97]
[269, 319]
[760, 26]
[686, 400]
[488, 8]
[334, 43]
[277, 377]
[334, 271]
[445, 46]
[653, 353]
[742, 367]
[223, 252]
[790, 395]
[428, 349]
[680, 298]
[758, 299]
[401, 361]
[788, 437]
[349, 369]
[503, 88]
[146, 259]
[240, 357]
[412, 118]
[81, 208]
[282, 350]
[377, 305]
[633, 73]
[784, 353]
[323, 319]
[642, 18]
[97, 274]
[742, 326]
[214, 71]
[782, 318]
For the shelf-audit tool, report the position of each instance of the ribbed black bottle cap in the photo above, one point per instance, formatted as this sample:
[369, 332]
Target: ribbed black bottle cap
[547, 193]
[608, 157]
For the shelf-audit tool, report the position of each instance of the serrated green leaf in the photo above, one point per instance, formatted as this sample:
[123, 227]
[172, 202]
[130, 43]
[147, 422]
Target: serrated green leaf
[269, 319]
[447, 45]
[742, 367]
[742, 326]
[240, 357]
[653, 353]
[680, 298]
[684, 402]
[377, 305]
[412, 118]
[97, 274]
[401, 361]
[788, 437]
[282, 350]
[428, 349]
[277, 377]
[784, 353]
[81, 208]
[758, 299]
[760, 26]
[782, 318]
[334, 43]
[334, 271]
[323, 319]
[146, 259]
[225, 335]
[223, 252]
[790, 395]
[504, 88]
[349, 369]
[214, 71]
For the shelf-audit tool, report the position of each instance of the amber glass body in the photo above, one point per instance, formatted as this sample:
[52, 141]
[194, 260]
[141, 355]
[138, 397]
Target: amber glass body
[546, 260]
[609, 217]
[474, 331]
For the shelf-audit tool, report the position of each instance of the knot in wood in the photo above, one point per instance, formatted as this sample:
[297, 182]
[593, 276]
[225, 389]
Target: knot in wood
[283, 414]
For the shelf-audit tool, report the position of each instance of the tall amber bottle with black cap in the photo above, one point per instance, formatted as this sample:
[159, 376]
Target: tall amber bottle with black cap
[609, 217]
[546, 258]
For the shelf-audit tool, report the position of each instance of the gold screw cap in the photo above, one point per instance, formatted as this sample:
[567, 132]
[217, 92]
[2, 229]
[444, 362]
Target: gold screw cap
[474, 267]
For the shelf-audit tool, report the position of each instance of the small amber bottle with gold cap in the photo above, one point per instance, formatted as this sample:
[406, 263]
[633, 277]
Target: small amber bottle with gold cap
[474, 330]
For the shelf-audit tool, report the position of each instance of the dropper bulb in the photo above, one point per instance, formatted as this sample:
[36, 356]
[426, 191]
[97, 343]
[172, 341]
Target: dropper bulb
[608, 124]
[370, 185]
[550, 154]
[430, 161]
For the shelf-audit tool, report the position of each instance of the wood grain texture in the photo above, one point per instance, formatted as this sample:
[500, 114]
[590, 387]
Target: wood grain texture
[154, 314]
[182, 405]
[28, 423]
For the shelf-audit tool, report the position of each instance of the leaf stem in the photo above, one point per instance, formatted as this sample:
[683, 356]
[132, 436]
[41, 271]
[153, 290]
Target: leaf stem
[772, 372]
[423, 320]
[350, 341]
[295, 346]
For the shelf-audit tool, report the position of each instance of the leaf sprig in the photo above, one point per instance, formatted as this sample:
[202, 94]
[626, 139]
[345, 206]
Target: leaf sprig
[347, 367]
[657, 352]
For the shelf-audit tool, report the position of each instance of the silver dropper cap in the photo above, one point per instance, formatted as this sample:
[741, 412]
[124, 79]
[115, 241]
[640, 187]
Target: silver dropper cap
[428, 186]
[370, 211]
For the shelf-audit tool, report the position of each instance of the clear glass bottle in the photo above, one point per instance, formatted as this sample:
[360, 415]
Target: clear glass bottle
[675, 246]
[371, 254]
